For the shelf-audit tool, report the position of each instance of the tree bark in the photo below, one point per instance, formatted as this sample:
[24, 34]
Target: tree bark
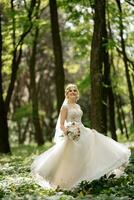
[131, 95]
[122, 115]
[96, 65]
[57, 49]
[4, 138]
[112, 125]
[119, 117]
[107, 94]
[4, 141]
[23, 134]
[38, 132]
[106, 74]
[111, 97]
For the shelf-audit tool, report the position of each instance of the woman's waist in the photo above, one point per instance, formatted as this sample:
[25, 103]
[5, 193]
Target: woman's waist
[71, 122]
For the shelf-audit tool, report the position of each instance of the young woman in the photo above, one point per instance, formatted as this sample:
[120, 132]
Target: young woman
[79, 153]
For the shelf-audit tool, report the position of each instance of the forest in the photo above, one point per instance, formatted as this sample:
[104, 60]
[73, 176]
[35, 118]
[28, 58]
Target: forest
[44, 45]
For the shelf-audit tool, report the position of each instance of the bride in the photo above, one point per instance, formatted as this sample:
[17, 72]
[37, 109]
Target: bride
[79, 153]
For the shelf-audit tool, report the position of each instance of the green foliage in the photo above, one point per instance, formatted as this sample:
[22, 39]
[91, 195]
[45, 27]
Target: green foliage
[78, 26]
[24, 111]
[16, 181]
[84, 83]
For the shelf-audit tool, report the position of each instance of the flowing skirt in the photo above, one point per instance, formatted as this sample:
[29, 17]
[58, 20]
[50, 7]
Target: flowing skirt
[69, 162]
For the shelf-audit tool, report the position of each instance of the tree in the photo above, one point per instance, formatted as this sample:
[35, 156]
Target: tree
[4, 141]
[33, 88]
[96, 66]
[125, 59]
[57, 49]
[16, 58]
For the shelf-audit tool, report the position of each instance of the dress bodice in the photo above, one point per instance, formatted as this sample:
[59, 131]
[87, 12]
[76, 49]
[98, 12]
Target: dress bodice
[74, 113]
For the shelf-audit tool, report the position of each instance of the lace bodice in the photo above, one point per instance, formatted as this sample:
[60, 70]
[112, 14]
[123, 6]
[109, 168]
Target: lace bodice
[74, 113]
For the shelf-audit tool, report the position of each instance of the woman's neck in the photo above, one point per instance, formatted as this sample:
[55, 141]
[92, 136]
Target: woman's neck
[71, 101]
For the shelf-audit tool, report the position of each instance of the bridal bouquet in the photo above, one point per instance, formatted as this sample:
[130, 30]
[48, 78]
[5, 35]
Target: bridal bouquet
[73, 131]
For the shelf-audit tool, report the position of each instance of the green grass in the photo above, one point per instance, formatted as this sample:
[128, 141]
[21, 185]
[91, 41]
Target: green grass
[16, 182]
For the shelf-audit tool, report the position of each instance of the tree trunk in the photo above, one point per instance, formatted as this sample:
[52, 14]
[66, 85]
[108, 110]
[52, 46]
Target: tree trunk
[123, 116]
[23, 134]
[106, 74]
[96, 65]
[4, 141]
[57, 49]
[112, 125]
[119, 118]
[111, 98]
[17, 52]
[38, 132]
[131, 95]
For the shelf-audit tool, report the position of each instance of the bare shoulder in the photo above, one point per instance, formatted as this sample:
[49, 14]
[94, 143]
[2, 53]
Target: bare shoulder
[63, 108]
[78, 105]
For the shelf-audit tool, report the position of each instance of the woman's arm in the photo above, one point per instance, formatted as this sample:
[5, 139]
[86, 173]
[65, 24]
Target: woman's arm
[63, 116]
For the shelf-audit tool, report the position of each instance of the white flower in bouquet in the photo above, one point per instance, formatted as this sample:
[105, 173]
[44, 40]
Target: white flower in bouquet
[73, 131]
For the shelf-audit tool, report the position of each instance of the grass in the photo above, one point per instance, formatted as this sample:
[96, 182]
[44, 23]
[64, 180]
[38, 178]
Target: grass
[16, 182]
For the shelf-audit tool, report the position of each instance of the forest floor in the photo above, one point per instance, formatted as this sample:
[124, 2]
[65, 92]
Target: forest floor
[16, 182]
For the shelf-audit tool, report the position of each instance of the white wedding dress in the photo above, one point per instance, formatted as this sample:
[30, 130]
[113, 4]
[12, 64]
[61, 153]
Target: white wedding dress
[69, 162]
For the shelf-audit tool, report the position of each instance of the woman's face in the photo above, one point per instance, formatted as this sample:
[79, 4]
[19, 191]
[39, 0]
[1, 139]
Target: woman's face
[72, 93]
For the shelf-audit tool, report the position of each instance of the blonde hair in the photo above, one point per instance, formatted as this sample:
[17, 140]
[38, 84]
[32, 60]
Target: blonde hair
[68, 87]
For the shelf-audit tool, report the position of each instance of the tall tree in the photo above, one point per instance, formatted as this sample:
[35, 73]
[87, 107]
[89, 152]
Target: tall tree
[96, 65]
[16, 59]
[4, 141]
[111, 103]
[122, 115]
[57, 49]
[34, 95]
[111, 98]
[125, 59]
[105, 73]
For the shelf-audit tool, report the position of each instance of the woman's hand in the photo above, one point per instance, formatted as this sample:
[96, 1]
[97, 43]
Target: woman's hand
[63, 116]
[64, 130]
